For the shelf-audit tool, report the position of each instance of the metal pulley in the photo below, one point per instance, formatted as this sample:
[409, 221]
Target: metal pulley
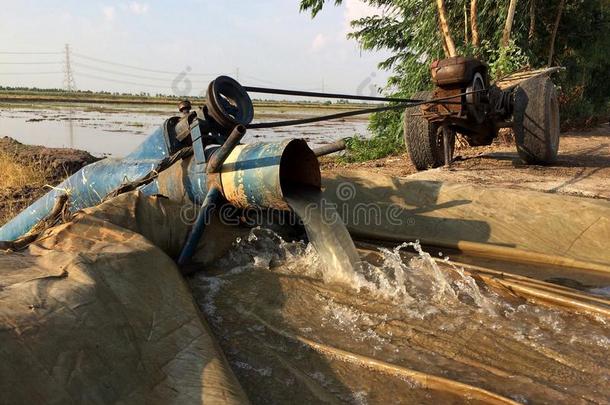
[228, 103]
[477, 107]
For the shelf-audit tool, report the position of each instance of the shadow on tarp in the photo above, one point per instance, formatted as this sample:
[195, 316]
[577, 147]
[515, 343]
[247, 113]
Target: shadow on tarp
[408, 210]
[572, 227]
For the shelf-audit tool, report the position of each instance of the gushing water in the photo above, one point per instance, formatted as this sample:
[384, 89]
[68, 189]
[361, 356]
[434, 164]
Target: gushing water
[337, 253]
[418, 289]
[328, 234]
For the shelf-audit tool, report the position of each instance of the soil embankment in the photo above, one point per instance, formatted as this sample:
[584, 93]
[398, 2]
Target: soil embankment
[582, 167]
[28, 170]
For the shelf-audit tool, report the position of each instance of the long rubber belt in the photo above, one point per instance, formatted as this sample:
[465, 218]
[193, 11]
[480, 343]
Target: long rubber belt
[353, 113]
[285, 92]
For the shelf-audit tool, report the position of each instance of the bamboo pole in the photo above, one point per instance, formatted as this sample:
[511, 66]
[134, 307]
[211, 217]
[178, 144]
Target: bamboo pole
[474, 23]
[444, 25]
[554, 34]
[508, 27]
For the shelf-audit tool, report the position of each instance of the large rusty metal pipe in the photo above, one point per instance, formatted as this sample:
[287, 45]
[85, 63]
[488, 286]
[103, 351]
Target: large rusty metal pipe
[253, 176]
[258, 175]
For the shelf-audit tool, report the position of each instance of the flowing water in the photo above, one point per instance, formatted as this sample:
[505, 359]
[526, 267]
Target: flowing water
[341, 261]
[397, 305]
[328, 234]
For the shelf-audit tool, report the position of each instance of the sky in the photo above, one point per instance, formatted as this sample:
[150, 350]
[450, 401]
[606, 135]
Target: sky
[178, 47]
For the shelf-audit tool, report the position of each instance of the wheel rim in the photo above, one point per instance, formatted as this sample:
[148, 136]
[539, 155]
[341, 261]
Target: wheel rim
[554, 123]
[475, 106]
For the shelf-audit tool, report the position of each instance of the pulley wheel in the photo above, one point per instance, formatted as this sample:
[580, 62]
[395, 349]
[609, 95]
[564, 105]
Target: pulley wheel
[228, 103]
[476, 107]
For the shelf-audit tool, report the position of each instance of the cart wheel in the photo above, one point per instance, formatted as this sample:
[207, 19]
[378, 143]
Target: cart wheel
[424, 139]
[536, 114]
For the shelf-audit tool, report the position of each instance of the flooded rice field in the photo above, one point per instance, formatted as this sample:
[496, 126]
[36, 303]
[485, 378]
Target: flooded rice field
[114, 130]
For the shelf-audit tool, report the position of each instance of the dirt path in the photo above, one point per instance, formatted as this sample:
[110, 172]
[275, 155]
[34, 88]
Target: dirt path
[582, 169]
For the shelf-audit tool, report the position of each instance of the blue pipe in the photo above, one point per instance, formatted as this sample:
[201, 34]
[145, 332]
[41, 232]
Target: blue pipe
[252, 176]
[91, 184]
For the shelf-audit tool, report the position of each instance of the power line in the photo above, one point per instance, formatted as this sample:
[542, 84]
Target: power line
[118, 81]
[139, 68]
[30, 73]
[122, 81]
[69, 72]
[256, 79]
[30, 63]
[30, 53]
[116, 72]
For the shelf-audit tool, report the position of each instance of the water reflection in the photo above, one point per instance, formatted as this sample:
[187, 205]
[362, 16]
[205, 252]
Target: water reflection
[116, 130]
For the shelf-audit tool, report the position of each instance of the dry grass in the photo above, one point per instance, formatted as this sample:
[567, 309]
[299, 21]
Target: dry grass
[16, 174]
[9, 211]
[20, 184]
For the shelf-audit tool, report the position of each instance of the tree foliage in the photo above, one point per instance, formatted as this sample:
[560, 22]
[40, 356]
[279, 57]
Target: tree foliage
[409, 29]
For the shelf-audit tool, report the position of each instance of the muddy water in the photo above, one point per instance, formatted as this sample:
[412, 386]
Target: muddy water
[328, 235]
[410, 312]
[117, 129]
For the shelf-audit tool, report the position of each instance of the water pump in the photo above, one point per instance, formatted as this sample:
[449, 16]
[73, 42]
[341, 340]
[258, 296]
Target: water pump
[209, 164]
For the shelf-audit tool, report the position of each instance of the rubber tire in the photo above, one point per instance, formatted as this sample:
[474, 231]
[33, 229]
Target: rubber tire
[537, 121]
[421, 137]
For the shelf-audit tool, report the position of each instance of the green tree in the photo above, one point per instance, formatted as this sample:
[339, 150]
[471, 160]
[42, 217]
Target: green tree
[409, 29]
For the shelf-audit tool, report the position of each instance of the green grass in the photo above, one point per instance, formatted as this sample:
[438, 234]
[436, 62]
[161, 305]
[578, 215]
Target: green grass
[361, 150]
[387, 139]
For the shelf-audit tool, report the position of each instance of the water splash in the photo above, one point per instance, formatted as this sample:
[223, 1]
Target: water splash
[419, 283]
[419, 288]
